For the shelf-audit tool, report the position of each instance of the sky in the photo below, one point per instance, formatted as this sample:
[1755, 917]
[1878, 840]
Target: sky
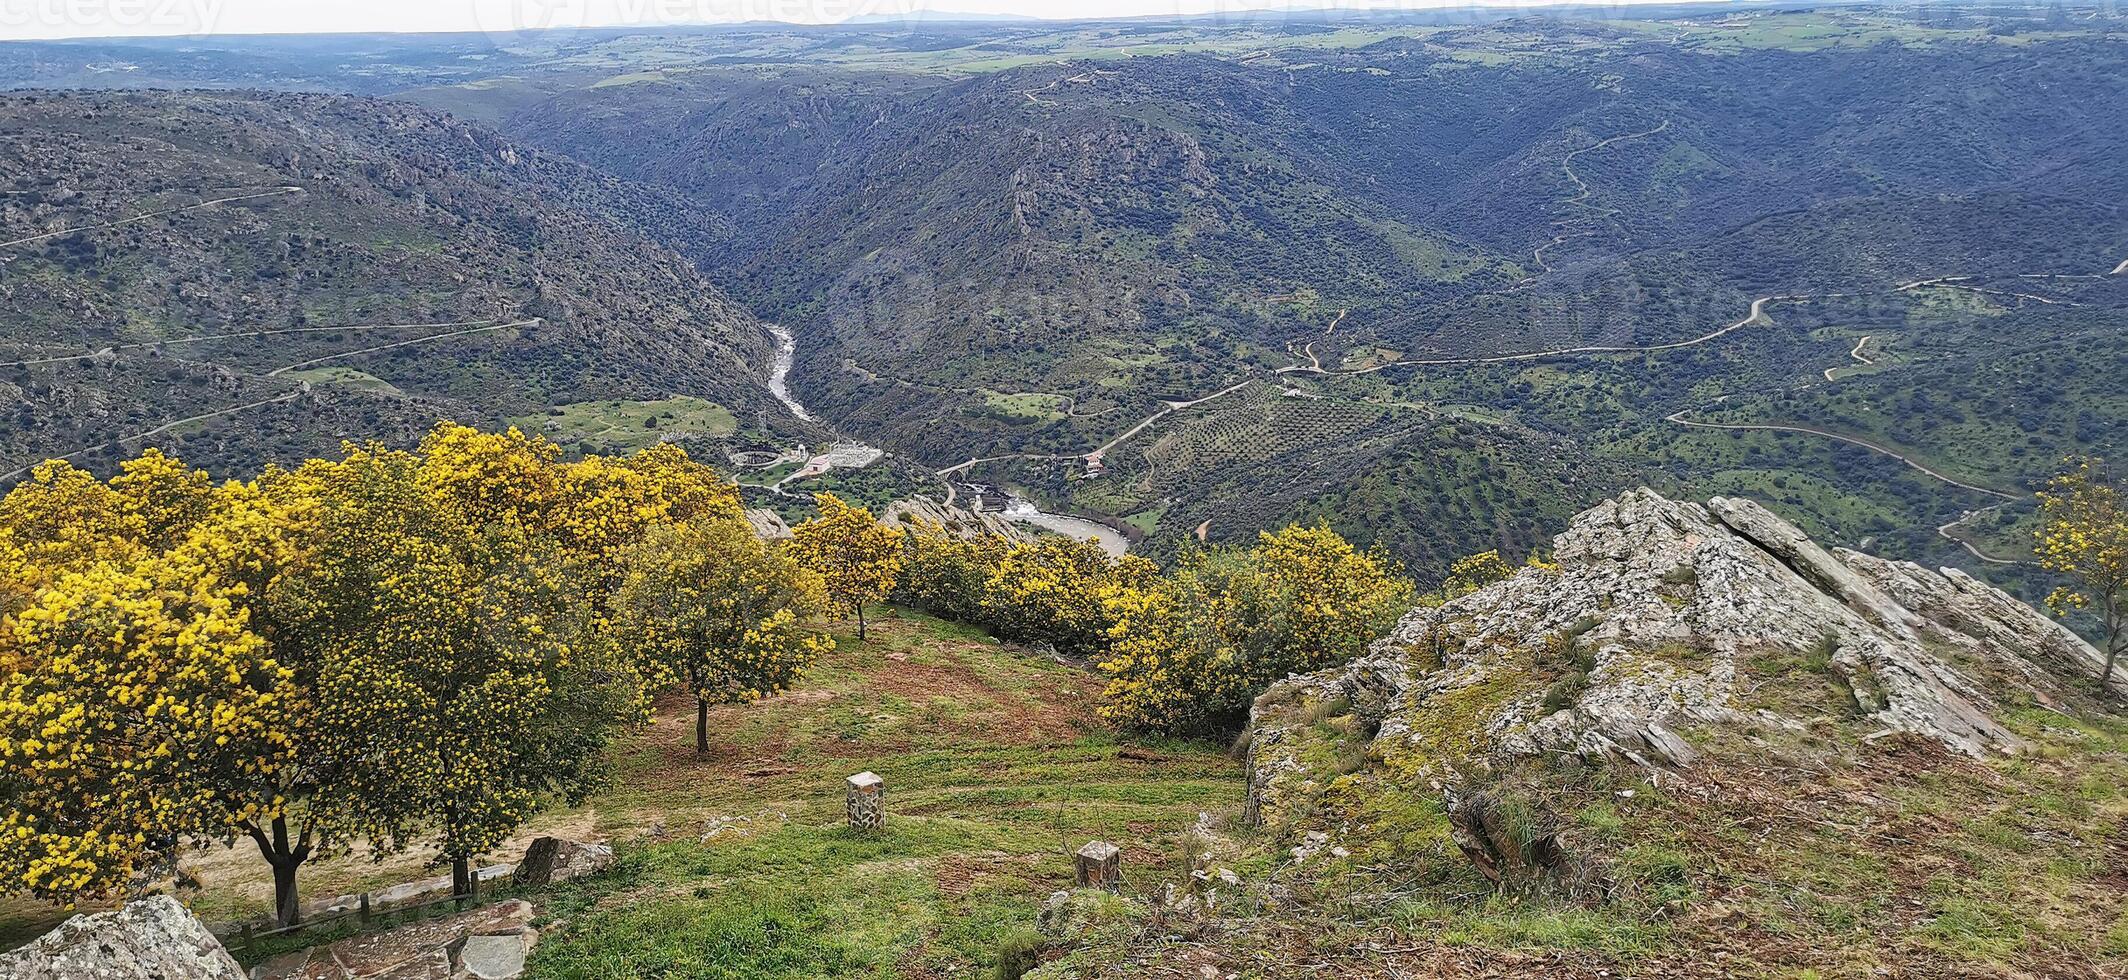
[48, 19]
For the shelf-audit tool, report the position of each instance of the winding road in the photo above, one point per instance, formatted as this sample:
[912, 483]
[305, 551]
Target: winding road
[1581, 199]
[1942, 530]
[1856, 354]
[151, 215]
[114, 348]
[1758, 312]
[299, 365]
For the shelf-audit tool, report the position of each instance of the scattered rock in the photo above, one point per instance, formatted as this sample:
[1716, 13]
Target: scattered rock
[1067, 916]
[151, 939]
[768, 525]
[432, 949]
[553, 860]
[494, 957]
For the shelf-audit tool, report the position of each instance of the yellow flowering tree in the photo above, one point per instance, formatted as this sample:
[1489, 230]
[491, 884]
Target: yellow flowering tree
[375, 649]
[503, 699]
[855, 555]
[1188, 653]
[2083, 534]
[61, 518]
[709, 604]
[455, 653]
[944, 573]
[593, 508]
[165, 496]
[605, 506]
[132, 698]
[1051, 591]
[1473, 572]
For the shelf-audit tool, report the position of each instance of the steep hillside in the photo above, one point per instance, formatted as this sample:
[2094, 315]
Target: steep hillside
[286, 271]
[1031, 265]
[1139, 229]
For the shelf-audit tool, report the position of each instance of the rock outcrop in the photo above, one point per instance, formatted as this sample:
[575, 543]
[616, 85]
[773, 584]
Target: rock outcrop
[966, 523]
[151, 939]
[553, 860]
[768, 525]
[1664, 620]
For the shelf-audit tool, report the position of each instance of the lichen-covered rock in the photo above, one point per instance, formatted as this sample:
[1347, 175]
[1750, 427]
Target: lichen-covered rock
[1648, 628]
[553, 860]
[151, 939]
[1067, 916]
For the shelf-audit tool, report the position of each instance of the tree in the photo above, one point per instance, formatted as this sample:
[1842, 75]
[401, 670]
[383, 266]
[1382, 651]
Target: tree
[511, 697]
[1473, 572]
[131, 701]
[167, 497]
[1051, 591]
[2083, 534]
[61, 518]
[362, 650]
[945, 574]
[1190, 652]
[855, 556]
[710, 604]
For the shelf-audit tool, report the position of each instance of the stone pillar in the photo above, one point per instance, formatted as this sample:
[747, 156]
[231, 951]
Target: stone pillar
[1099, 865]
[867, 802]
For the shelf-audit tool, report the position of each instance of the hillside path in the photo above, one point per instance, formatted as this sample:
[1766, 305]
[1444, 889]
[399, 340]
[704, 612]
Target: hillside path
[151, 215]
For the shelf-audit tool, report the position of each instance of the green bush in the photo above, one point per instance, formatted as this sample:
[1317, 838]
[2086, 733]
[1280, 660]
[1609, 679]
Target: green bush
[1018, 953]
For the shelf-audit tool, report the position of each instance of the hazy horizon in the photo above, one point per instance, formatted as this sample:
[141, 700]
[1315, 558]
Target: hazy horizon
[52, 20]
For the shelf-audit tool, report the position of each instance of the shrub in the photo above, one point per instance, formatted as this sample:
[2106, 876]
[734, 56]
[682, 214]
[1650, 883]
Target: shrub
[1191, 651]
[1018, 953]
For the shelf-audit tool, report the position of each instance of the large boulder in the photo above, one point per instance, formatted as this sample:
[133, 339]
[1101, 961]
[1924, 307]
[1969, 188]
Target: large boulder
[1662, 625]
[151, 939]
[553, 860]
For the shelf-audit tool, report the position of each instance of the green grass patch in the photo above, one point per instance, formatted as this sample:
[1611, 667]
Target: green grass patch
[630, 424]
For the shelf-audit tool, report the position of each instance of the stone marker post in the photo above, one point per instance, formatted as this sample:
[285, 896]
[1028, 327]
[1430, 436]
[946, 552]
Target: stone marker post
[867, 802]
[1099, 865]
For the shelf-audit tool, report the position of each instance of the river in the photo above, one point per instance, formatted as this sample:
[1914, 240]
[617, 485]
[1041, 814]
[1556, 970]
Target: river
[1020, 511]
[779, 374]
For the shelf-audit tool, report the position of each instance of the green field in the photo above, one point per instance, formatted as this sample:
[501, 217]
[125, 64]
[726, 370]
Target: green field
[995, 771]
[346, 377]
[630, 425]
[1031, 406]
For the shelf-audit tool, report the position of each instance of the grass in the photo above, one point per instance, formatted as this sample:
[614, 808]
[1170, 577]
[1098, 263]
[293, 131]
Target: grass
[1033, 406]
[996, 769]
[345, 377]
[630, 424]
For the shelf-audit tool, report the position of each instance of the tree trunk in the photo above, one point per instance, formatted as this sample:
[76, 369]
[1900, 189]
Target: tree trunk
[285, 859]
[2113, 646]
[286, 910]
[860, 622]
[462, 880]
[701, 725]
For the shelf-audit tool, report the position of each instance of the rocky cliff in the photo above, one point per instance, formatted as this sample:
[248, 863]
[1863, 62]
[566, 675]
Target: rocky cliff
[1664, 626]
